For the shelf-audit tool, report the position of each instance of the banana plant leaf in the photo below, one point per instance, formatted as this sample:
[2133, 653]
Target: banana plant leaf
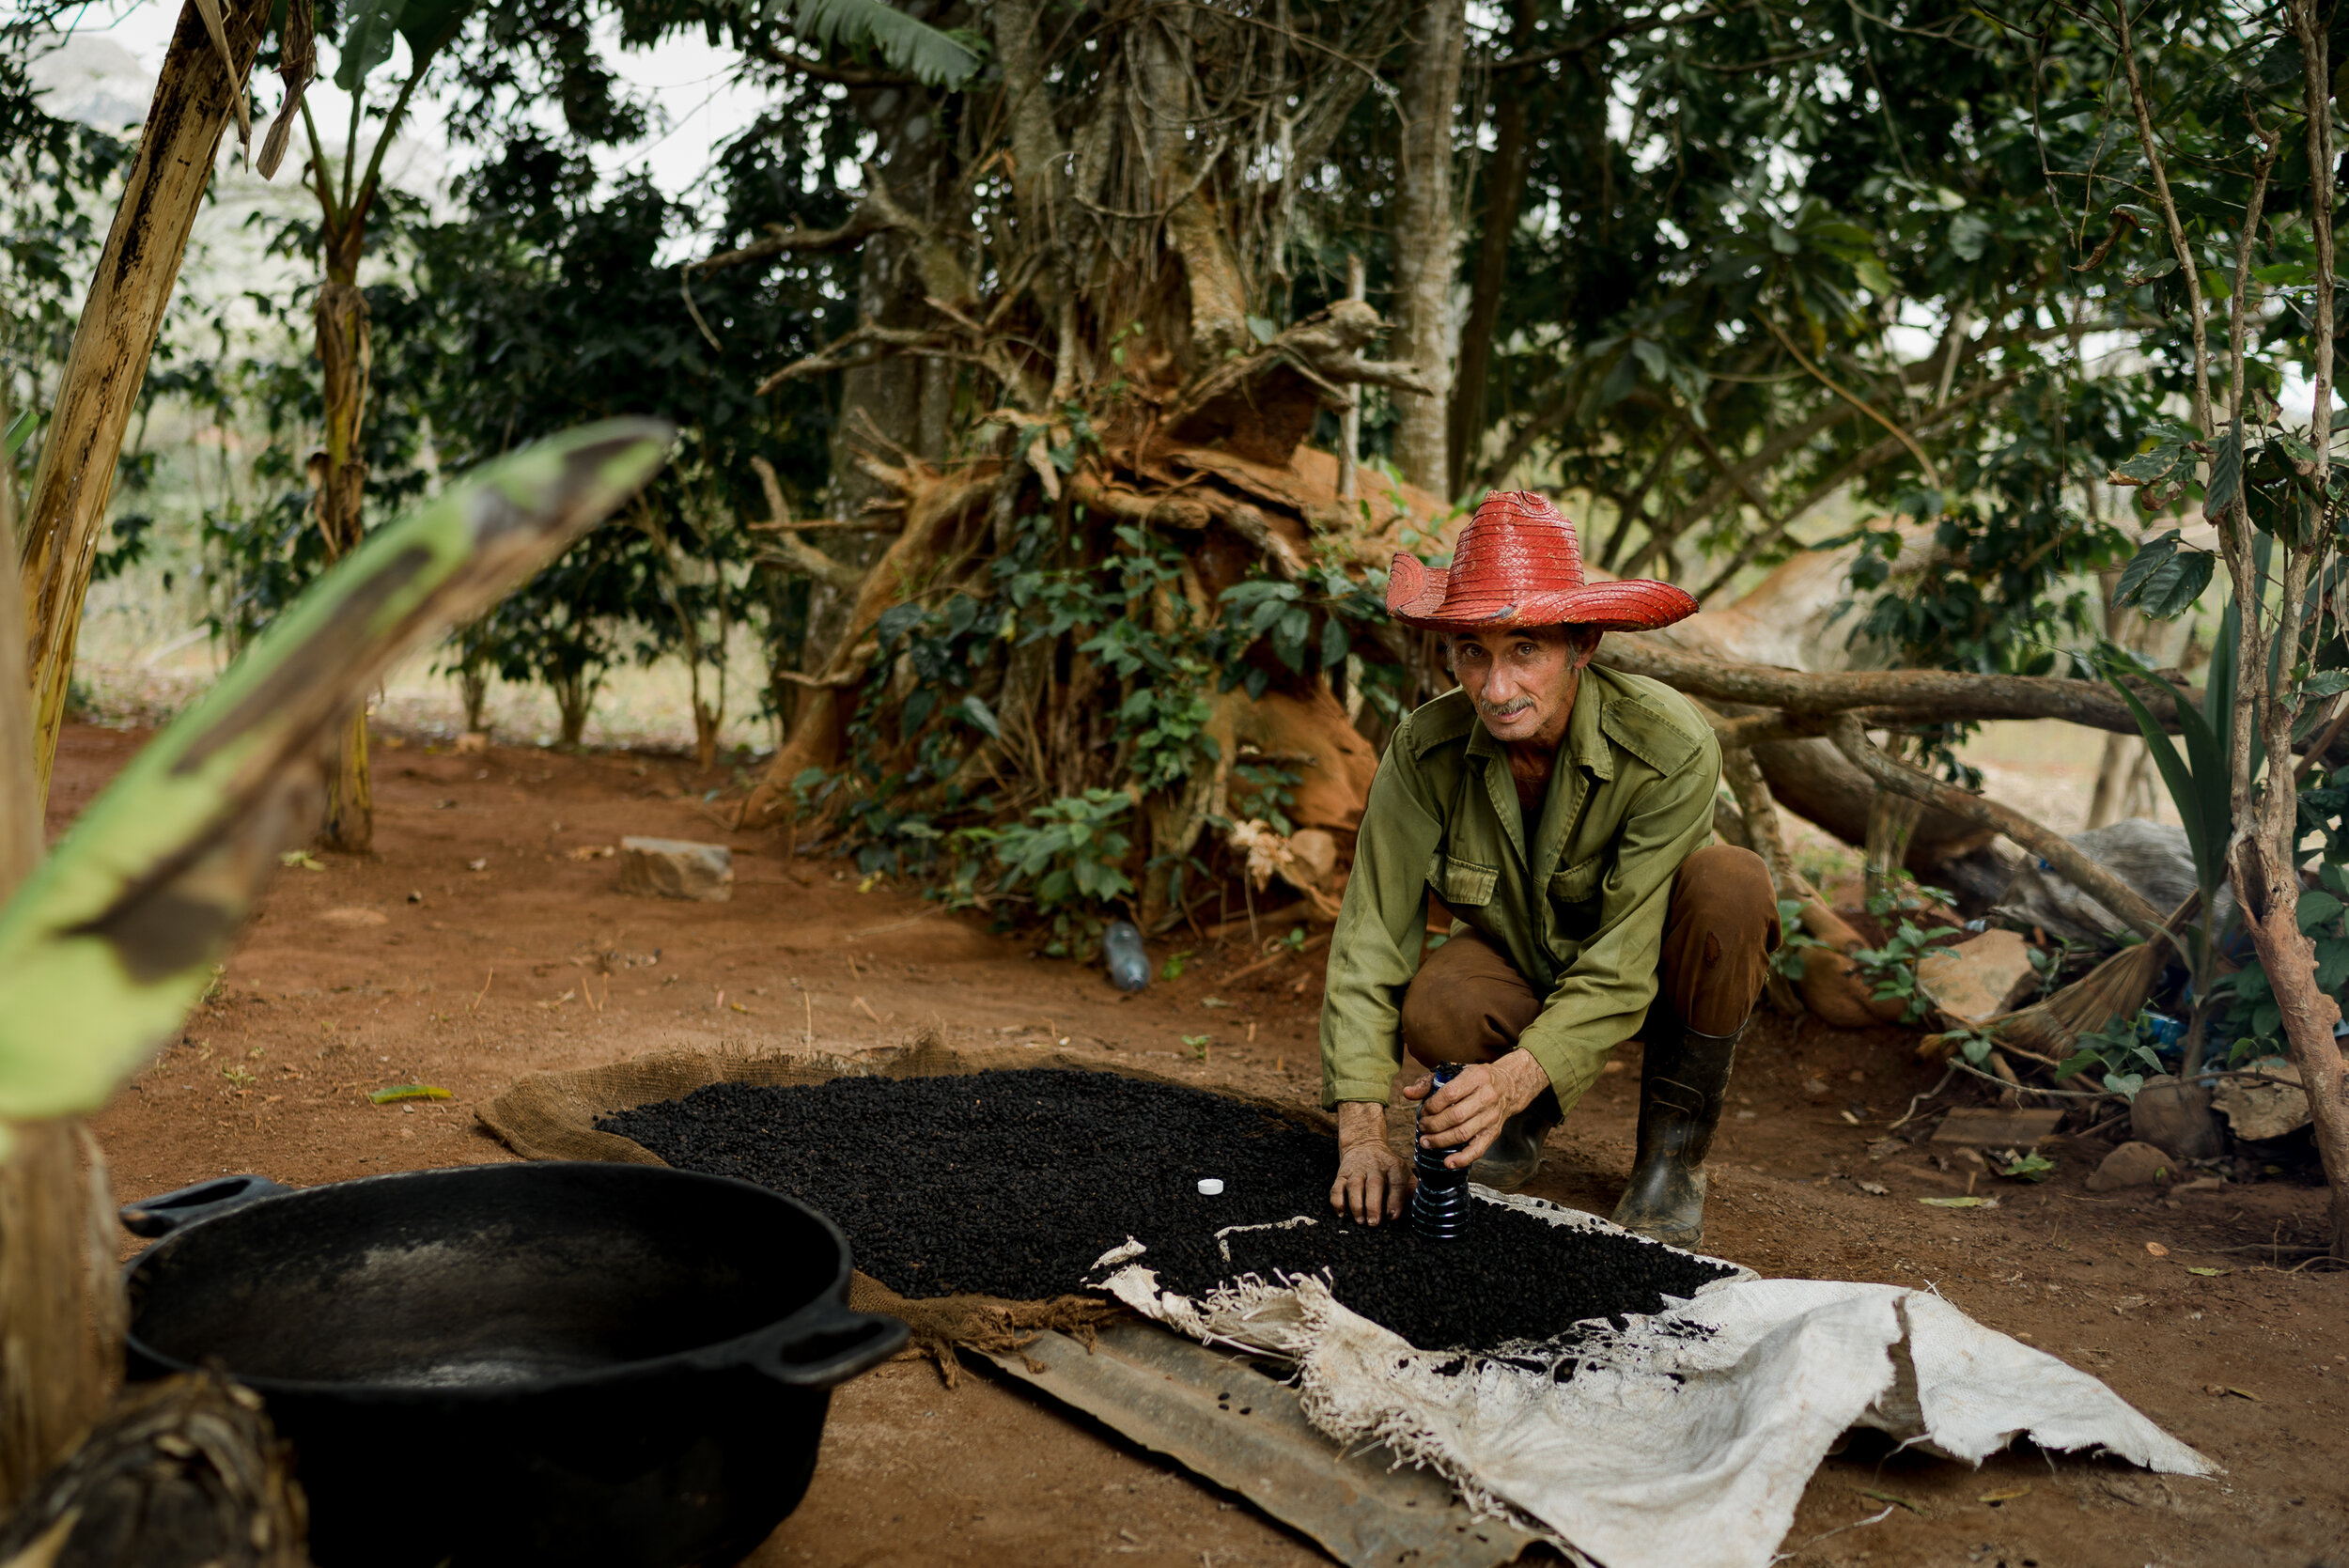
[366, 40]
[114, 938]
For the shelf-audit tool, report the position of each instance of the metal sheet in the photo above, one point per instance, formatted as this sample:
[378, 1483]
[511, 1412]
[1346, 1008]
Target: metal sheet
[1219, 1418]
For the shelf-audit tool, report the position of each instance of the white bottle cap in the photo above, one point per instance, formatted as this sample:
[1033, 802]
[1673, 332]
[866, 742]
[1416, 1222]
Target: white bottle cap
[1209, 1187]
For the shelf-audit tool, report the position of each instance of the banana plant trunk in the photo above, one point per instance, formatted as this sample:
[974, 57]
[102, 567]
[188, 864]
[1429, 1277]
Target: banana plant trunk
[344, 353]
[113, 344]
[61, 1309]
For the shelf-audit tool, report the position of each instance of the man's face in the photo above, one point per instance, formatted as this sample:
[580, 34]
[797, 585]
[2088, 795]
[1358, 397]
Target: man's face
[1522, 681]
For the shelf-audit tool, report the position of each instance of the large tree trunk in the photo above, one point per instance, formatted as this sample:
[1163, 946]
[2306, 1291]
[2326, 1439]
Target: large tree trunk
[112, 346]
[1504, 194]
[1090, 261]
[895, 405]
[1425, 241]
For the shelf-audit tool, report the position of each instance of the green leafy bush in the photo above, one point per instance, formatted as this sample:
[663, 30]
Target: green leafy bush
[1892, 969]
[2122, 1053]
[1072, 857]
[1794, 942]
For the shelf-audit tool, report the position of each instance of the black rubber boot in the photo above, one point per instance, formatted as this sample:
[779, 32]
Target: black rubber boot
[1513, 1158]
[1683, 1083]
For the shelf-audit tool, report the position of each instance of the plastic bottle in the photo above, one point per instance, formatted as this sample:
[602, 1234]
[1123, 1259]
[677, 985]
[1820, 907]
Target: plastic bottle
[1122, 955]
[1439, 1206]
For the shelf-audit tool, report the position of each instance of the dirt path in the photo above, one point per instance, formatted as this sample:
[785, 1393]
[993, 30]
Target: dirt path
[466, 954]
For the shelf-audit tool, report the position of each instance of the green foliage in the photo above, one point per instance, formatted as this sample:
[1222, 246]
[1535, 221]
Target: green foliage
[1901, 893]
[1072, 856]
[58, 181]
[1892, 970]
[2164, 579]
[1794, 942]
[1110, 599]
[2255, 1020]
[2200, 787]
[2024, 1165]
[370, 25]
[543, 305]
[941, 59]
[2122, 1055]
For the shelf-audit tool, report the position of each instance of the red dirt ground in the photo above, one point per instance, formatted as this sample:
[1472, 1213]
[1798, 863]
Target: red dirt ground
[463, 953]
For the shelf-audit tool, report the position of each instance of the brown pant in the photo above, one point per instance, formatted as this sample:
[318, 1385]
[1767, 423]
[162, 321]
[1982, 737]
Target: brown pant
[1468, 1004]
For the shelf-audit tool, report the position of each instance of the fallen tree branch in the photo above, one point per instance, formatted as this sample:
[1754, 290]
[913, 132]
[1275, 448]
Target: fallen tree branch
[1937, 696]
[2061, 856]
[1759, 729]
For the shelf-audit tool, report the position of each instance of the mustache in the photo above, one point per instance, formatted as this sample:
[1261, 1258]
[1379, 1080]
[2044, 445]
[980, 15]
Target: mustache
[1503, 710]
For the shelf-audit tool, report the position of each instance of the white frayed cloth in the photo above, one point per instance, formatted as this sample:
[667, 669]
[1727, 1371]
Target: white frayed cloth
[1686, 1439]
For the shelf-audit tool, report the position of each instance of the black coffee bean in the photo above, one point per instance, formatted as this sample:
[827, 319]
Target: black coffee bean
[1011, 1184]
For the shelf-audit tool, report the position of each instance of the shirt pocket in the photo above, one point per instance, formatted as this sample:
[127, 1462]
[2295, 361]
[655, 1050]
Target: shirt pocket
[1462, 883]
[1574, 897]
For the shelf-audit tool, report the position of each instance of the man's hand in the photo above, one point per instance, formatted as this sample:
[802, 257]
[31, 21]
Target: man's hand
[1467, 1114]
[1372, 1183]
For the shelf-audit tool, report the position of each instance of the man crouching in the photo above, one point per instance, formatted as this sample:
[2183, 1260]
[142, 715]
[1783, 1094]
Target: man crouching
[1562, 812]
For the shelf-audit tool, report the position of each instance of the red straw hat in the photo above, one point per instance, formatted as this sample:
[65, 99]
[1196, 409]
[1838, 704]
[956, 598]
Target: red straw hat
[1519, 563]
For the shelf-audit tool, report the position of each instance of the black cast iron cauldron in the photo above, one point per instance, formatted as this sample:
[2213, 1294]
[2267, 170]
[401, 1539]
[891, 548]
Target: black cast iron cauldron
[624, 1366]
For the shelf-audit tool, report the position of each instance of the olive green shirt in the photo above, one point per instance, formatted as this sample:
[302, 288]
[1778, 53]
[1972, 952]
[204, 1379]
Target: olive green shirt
[1580, 912]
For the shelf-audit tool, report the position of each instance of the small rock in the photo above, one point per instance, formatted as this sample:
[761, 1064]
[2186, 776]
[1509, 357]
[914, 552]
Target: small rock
[2133, 1164]
[1814, 1087]
[676, 868]
[2174, 1116]
[352, 914]
[1978, 978]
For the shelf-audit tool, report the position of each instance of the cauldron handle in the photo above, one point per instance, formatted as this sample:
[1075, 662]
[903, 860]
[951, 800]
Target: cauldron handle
[167, 1212]
[830, 1349]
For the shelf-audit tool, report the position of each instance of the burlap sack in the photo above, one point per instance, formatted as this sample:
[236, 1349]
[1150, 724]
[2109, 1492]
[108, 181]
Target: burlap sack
[554, 1115]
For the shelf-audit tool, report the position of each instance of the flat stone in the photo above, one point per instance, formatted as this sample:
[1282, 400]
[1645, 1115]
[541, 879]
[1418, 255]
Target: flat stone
[1987, 1126]
[2268, 1107]
[2133, 1164]
[1978, 978]
[2174, 1116]
[676, 868]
